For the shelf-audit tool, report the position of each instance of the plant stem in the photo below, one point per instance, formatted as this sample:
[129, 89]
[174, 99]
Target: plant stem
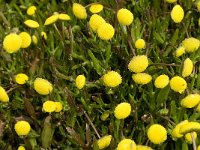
[193, 141]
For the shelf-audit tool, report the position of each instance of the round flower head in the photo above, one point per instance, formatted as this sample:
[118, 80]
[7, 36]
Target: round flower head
[105, 31]
[141, 78]
[140, 44]
[161, 81]
[31, 23]
[178, 84]
[188, 137]
[42, 86]
[21, 148]
[189, 127]
[12, 43]
[112, 79]
[31, 10]
[44, 35]
[180, 51]
[157, 134]
[64, 17]
[190, 101]
[176, 130]
[122, 110]
[104, 141]
[51, 19]
[22, 128]
[124, 16]
[138, 63]
[143, 147]
[3, 95]
[191, 44]
[79, 11]
[80, 81]
[49, 106]
[21, 78]
[171, 1]
[177, 14]
[96, 8]
[96, 21]
[126, 144]
[26, 39]
[59, 106]
[34, 39]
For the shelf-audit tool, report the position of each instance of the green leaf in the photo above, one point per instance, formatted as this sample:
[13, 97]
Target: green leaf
[162, 95]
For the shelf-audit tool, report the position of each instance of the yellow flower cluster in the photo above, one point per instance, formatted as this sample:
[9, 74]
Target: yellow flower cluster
[177, 14]
[176, 131]
[190, 101]
[138, 63]
[31, 10]
[51, 106]
[191, 44]
[161, 81]
[143, 147]
[122, 110]
[104, 141]
[178, 84]
[141, 78]
[21, 148]
[22, 128]
[140, 44]
[126, 144]
[180, 51]
[79, 11]
[125, 16]
[3, 95]
[188, 137]
[187, 67]
[96, 8]
[171, 1]
[42, 86]
[112, 79]
[80, 81]
[96, 21]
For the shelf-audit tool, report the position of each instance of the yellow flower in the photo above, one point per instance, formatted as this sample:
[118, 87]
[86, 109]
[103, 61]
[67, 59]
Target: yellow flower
[161, 81]
[189, 127]
[31, 23]
[59, 106]
[31, 10]
[180, 51]
[122, 110]
[176, 130]
[112, 79]
[80, 81]
[105, 31]
[3, 95]
[140, 44]
[26, 39]
[198, 6]
[79, 11]
[64, 17]
[188, 137]
[171, 1]
[12, 43]
[96, 8]
[143, 147]
[104, 141]
[96, 21]
[49, 106]
[198, 148]
[126, 144]
[34, 39]
[21, 78]
[141, 78]
[21, 148]
[177, 14]
[190, 101]
[191, 44]
[138, 63]
[178, 84]
[51, 19]
[187, 67]
[42, 86]
[124, 16]
[22, 128]
[157, 134]
[44, 35]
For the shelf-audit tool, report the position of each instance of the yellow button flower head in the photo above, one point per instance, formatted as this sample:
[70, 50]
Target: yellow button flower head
[12, 43]
[21, 78]
[191, 44]
[112, 79]
[126, 144]
[42, 86]
[188, 137]
[177, 14]
[31, 10]
[49, 106]
[51, 19]
[198, 6]
[178, 84]
[80, 81]
[3, 95]
[96, 21]
[59, 106]
[125, 16]
[138, 63]
[176, 130]
[44, 35]
[21, 148]
[187, 67]
[64, 17]
[104, 141]
[143, 147]
[161, 81]
[141, 78]
[171, 1]
[31, 23]
[96, 8]
[26, 39]
[34, 39]
[140, 44]
[105, 31]
[180, 51]
[79, 11]
[122, 110]
[22, 128]
[189, 127]
[157, 134]
[190, 101]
